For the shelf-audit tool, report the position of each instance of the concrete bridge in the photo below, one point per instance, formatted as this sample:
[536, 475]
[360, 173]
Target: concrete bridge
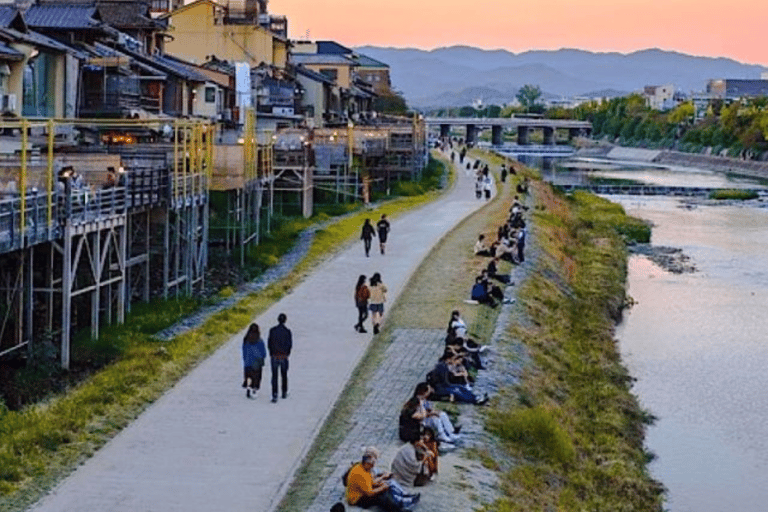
[647, 190]
[523, 125]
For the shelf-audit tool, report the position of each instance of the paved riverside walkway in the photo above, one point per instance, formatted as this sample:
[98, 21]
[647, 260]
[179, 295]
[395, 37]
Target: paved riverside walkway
[203, 446]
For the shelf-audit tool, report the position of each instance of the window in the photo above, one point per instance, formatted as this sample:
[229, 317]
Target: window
[331, 73]
[210, 95]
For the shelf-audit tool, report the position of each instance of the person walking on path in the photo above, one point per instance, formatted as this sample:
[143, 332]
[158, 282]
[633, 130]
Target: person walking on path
[254, 354]
[362, 294]
[367, 235]
[378, 298]
[280, 343]
[487, 186]
[383, 228]
[503, 173]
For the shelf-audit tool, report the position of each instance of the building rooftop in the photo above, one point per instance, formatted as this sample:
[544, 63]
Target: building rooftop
[315, 58]
[317, 77]
[8, 53]
[63, 16]
[369, 62]
[332, 47]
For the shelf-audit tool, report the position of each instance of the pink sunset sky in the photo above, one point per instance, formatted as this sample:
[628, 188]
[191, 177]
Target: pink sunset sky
[735, 29]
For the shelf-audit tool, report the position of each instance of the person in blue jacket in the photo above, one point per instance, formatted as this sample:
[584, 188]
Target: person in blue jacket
[254, 354]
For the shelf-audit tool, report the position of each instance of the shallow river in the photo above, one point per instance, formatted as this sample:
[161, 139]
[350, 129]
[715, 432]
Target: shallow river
[698, 346]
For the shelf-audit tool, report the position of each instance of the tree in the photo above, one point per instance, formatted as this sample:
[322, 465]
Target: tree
[683, 113]
[390, 103]
[527, 95]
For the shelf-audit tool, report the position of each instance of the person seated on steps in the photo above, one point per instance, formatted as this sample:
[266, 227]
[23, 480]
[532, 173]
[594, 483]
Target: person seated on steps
[438, 379]
[409, 466]
[393, 498]
[418, 413]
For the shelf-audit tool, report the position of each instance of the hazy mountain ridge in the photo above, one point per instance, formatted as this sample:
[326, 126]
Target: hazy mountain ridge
[451, 76]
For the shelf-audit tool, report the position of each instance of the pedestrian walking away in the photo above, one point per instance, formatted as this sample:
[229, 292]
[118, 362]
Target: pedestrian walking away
[487, 187]
[254, 354]
[367, 235]
[378, 298]
[503, 173]
[362, 294]
[479, 188]
[280, 343]
[383, 228]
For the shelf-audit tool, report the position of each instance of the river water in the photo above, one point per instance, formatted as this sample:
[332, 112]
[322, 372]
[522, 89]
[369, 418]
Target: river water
[697, 343]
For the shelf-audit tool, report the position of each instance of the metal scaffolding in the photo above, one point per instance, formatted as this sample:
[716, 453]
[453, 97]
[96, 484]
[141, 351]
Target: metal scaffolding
[74, 255]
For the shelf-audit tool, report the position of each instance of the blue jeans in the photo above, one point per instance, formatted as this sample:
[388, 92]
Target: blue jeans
[460, 393]
[279, 365]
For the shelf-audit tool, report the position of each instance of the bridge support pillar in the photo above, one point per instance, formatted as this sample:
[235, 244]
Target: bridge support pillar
[496, 132]
[445, 131]
[549, 136]
[523, 136]
[471, 133]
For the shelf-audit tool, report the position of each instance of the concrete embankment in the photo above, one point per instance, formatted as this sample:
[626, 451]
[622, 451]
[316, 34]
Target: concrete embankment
[751, 168]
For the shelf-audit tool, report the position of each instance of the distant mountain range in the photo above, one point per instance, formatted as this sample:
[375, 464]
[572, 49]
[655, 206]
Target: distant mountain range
[458, 75]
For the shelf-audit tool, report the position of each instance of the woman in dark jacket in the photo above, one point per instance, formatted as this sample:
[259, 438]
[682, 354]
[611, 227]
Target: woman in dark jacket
[362, 294]
[254, 353]
[367, 234]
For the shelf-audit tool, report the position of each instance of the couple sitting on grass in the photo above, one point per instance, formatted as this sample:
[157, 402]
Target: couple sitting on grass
[485, 292]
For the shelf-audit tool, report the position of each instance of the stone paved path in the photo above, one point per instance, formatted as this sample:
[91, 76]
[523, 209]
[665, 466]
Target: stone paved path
[407, 359]
[203, 446]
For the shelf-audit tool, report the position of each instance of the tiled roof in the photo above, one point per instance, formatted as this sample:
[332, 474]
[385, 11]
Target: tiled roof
[179, 68]
[314, 58]
[317, 77]
[7, 14]
[123, 15]
[37, 39]
[168, 64]
[8, 53]
[332, 47]
[62, 16]
[368, 62]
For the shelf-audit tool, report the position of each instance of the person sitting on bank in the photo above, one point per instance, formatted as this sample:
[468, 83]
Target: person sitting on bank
[505, 250]
[430, 446]
[439, 379]
[480, 248]
[364, 491]
[493, 271]
[409, 467]
[480, 293]
[418, 413]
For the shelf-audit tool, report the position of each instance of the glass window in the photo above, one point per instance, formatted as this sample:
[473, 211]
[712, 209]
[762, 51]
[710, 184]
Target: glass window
[331, 73]
[210, 95]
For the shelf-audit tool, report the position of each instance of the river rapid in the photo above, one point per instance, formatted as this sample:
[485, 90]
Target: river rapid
[697, 343]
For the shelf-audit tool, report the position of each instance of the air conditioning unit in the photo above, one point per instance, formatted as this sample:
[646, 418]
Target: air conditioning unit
[8, 103]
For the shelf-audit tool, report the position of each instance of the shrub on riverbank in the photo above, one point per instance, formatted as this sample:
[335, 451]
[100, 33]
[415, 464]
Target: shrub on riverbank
[737, 195]
[576, 396]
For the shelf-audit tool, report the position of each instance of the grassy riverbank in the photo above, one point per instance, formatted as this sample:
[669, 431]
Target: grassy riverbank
[43, 442]
[572, 425]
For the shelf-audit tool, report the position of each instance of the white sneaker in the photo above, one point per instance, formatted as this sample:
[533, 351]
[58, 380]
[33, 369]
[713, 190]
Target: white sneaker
[446, 447]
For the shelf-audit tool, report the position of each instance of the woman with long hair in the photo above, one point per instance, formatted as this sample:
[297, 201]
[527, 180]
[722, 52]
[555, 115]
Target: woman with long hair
[362, 294]
[254, 353]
